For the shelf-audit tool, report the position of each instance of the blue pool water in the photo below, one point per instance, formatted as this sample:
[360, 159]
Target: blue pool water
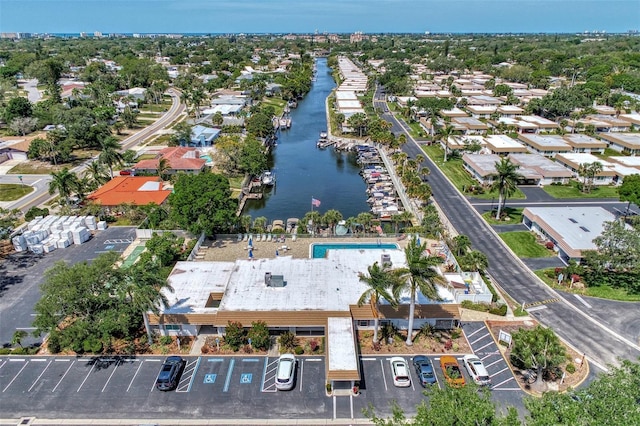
[207, 158]
[319, 250]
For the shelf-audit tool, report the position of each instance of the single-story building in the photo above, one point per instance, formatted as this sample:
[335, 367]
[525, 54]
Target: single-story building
[179, 160]
[548, 171]
[547, 145]
[633, 119]
[582, 143]
[471, 125]
[510, 111]
[482, 167]
[571, 229]
[627, 143]
[573, 161]
[305, 296]
[503, 144]
[632, 162]
[203, 136]
[15, 149]
[481, 111]
[136, 190]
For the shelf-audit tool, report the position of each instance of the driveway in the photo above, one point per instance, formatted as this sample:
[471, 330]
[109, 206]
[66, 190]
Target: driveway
[31, 87]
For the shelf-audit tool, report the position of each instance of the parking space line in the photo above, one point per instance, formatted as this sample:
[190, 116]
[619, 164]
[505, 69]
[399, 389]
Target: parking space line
[16, 359]
[272, 387]
[16, 376]
[506, 389]
[38, 360]
[63, 376]
[383, 376]
[367, 359]
[488, 354]
[43, 371]
[502, 382]
[5, 361]
[188, 376]
[477, 331]
[250, 360]
[493, 363]
[504, 369]
[313, 359]
[351, 403]
[488, 344]
[301, 371]
[227, 382]
[134, 376]
[61, 360]
[111, 375]
[86, 377]
[479, 338]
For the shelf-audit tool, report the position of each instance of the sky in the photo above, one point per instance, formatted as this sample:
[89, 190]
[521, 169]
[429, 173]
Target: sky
[307, 16]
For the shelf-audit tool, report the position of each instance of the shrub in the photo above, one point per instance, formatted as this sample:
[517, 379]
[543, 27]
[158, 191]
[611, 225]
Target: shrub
[570, 368]
[205, 349]
[259, 335]
[549, 245]
[456, 347]
[500, 310]
[456, 333]
[234, 335]
[19, 351]
[35, 211]
[247, 349]
[313, 345]
[5, 351]
[165, 340]
[448, 344]
[328, 386]
[288, 340]
[53, 343]
[299, 350]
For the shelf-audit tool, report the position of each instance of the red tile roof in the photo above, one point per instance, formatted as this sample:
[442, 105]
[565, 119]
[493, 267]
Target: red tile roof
[135, 190]
[178, 158]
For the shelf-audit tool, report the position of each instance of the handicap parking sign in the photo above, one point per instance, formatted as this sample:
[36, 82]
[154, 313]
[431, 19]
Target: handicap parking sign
[209, 378]
[245, 378]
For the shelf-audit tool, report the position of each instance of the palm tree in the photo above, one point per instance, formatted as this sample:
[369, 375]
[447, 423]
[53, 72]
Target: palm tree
[143, 290]
[314, 218]
[162, 167]
[505, 180]
[419, 274]
[404, 217]
[96, 174]
[63, 182]
[260, 223]
[443, 134]
[381, 284]
[365, 219]
[460, 244]
[475, 261]
[331, 218]
[110, 154]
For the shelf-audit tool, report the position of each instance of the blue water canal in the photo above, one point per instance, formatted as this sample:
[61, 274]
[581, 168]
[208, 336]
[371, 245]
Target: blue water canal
[304, 171]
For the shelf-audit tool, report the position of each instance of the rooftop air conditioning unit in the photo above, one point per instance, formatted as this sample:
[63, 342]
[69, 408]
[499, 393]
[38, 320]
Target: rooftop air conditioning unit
[385, 260]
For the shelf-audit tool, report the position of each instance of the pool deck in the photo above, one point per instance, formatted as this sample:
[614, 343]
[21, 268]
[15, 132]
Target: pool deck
[231, 249]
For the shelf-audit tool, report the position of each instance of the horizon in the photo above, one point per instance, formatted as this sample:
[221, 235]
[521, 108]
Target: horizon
[307, 17]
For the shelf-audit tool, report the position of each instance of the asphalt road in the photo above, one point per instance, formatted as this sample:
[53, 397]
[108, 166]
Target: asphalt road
[21, 275]
[41, 182]
[583, 328]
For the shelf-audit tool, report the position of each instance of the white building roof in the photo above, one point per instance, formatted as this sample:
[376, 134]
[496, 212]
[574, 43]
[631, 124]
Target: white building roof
[503, 141]
[193, 283]
[342, 354]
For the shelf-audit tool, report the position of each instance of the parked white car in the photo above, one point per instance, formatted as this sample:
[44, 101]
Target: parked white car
[476, 370]
[400, 372]
[285, 372]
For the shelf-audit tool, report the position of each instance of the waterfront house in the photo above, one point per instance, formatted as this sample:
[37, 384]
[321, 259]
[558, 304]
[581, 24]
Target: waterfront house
[178, 160]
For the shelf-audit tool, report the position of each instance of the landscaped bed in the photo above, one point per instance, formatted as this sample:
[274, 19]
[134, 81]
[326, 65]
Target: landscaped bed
[426, 342]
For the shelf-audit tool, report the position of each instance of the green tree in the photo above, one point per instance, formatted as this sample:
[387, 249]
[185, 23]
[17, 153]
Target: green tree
[611, 399]
[260, 125]
[234, 335]
[381, 284]
[203, 202]
[217, 119]
[505, 181]
[97, 174]
[8, 221]
[182, 134]
[588, 172]
[538, 348]
[252, 158]
[259, 335]
[630, 190]
[460, 244]
[442, 407]
[420, 274]
[331, 218]
[63, 182]
[129, 117]
[359, 123]
[17, 107]
[17, 337]
[474, 261]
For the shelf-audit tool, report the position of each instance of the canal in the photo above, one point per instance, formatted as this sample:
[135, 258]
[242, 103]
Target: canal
[304, 171]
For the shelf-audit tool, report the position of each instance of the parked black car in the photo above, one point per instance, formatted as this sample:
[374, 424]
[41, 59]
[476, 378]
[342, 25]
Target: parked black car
[170, 373]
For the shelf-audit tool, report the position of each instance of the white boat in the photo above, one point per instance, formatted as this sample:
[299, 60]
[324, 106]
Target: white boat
[323, 134]
[268, 178]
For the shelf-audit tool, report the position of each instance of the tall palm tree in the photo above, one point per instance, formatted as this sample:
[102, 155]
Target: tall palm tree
[97, 174]
[419, 274]
[443, 134]
[505, 180]
[142, 288]
[331, 218]
[381, 285]
[110, 154]
[63, 182]
[162, 167]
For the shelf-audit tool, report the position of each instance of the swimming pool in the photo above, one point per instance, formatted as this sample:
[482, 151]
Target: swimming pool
[319, 250]
[207, 158]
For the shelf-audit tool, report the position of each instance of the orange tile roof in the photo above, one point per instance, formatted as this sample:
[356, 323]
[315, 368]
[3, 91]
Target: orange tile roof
[179, 158]
[127, 189]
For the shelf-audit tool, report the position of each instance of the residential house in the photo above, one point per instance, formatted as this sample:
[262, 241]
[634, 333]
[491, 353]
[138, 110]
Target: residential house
[547, 145]
[136, 190]
[178, 160]
[503, 144]
[626, 143]
[573, 161]
[471, 125]
[584, 143]
[540, 170]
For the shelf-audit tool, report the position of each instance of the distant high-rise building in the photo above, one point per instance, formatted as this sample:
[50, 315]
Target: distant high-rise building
[83, 34]
[97, 34]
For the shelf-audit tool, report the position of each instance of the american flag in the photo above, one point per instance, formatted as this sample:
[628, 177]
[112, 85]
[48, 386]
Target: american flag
[315, 203]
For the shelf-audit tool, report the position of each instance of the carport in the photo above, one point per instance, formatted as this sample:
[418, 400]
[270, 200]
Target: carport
[343, 368]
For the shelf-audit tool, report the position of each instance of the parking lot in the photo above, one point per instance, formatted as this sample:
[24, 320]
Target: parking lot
[212, 387]
[22, 273]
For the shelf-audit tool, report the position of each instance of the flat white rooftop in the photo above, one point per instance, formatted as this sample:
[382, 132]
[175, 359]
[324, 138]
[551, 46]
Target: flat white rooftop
[341, 344]
[503, 141]
[193, 283]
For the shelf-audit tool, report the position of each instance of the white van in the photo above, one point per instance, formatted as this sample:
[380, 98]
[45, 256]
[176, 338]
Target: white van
[286, 372]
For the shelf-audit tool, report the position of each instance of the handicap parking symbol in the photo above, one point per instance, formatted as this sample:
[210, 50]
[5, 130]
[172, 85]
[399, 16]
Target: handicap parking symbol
[209, 378]
[245, 378]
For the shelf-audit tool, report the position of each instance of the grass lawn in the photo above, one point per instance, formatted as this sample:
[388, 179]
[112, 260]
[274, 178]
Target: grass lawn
[152, 115]
[34, 168]
[13, 191]
[156, 108]
[514, 216]
[416, 130]
[146, 157]
[602, 292]
[160, 140]
[524, 244]
[571, 191]
[277, 103]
